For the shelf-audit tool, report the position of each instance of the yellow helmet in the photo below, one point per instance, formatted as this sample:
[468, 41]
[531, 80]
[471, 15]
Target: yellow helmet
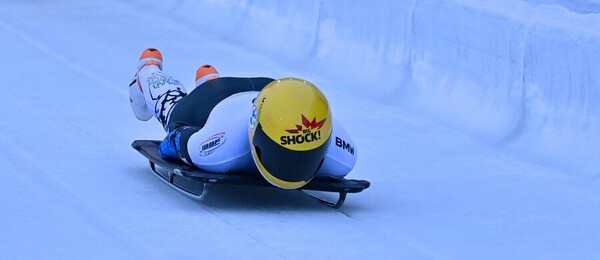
[289, 132]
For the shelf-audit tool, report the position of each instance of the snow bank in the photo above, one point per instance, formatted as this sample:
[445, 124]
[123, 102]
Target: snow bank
[521, 74]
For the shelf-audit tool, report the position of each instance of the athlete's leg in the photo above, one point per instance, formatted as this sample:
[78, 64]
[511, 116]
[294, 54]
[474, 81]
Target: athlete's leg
[221, 145]
[136, 96]
[161, 91]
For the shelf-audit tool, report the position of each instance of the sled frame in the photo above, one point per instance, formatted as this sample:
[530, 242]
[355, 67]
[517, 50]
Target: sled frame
[194, 183]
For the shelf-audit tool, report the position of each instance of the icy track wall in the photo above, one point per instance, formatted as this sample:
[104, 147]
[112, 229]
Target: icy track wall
[518, 74]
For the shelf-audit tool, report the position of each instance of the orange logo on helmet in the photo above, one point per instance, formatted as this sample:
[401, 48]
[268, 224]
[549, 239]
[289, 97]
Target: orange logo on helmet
[308, 124]
[304, 133]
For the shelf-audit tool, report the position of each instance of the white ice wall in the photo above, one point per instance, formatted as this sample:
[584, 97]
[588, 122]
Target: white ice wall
[522, 74]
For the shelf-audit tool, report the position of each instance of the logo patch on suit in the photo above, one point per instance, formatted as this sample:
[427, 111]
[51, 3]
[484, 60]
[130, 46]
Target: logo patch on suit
[212, 143]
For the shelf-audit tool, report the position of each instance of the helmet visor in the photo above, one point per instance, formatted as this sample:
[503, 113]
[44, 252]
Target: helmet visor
[284, 167]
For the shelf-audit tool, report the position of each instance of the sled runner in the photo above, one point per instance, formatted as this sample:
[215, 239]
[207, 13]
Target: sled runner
[193, 182]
